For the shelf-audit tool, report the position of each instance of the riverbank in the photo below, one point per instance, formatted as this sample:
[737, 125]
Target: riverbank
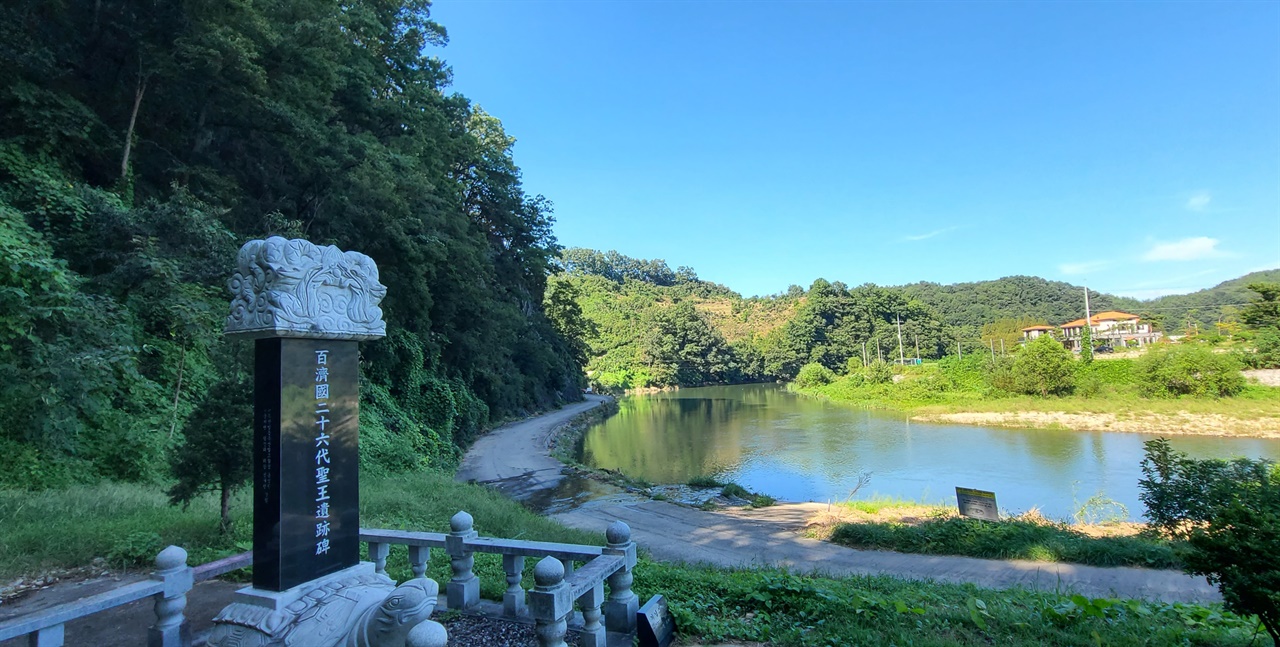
[927, 394]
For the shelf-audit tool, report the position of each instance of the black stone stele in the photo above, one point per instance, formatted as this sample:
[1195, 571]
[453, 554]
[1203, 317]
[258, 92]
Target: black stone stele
[306, 520]
[654, 624]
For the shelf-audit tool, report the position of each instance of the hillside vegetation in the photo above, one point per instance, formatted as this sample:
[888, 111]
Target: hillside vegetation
[140, 148]
[646, 325]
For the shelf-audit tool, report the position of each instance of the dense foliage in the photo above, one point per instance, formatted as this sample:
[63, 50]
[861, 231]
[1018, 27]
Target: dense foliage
[1189, 370]
[141, 145]
[646, 325]
[650, 326]
[1229, 514]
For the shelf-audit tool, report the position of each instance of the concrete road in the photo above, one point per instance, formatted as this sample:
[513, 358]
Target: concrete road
[516, 458]
[772, 537]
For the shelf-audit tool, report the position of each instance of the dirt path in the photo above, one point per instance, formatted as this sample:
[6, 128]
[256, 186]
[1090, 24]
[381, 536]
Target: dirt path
[515, 459]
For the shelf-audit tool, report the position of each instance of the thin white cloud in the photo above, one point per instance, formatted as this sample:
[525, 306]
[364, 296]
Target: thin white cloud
[1083, 268]
[936, 232]
[1199, 201]
[1187, 249]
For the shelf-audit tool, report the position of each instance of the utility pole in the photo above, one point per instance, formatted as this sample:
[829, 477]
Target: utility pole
[916, 339]
[879, 355]
[901, 359]
[864, 353]
[1088, 320]
[959, 350]
[1002, 346]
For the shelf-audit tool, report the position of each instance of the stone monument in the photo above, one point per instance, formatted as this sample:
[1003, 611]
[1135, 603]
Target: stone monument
[307, 308]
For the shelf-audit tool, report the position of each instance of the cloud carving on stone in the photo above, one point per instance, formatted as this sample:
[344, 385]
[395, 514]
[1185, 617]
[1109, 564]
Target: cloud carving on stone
[293, 288]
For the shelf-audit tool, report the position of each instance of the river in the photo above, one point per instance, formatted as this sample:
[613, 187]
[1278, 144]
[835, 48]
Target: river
[802, 449]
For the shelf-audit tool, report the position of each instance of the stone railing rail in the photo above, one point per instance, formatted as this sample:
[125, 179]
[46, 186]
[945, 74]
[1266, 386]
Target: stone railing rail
[558, 585]
[168, 585]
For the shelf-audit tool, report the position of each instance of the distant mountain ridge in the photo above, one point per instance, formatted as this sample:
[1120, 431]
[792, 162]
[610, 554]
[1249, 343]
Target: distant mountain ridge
[970, 305]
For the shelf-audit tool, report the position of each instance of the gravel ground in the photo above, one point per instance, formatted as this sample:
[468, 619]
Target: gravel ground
[476, 631]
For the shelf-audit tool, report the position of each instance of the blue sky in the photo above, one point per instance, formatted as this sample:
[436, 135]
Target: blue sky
[1133, 147]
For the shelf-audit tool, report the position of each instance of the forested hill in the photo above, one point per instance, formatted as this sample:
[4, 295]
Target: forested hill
[1221, 302]
[648, 325]
[141, 146]
[972, 305]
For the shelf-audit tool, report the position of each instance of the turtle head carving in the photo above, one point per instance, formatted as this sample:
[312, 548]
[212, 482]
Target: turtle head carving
[406, 607]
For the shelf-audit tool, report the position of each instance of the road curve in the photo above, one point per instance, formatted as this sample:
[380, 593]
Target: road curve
[516, 457]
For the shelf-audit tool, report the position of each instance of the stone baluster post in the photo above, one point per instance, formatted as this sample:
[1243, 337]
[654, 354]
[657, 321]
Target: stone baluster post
[568, 566]
[549, 603]
[593, 633]
[171, 629]
[378, 555]
[47, 637]
[418, 558]
[513, 604]
[620, 609]
[463, 590]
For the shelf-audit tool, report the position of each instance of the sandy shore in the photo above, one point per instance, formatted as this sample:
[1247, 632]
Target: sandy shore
[1183, 423]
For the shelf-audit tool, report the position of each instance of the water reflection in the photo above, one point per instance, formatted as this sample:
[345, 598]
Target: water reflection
[800, 449]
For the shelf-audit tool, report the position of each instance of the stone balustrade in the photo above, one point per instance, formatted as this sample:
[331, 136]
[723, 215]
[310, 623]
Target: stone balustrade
[168, 585]
[559, 585]
[559, 582]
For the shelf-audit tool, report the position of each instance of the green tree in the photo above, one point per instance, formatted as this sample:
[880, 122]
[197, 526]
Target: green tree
[1043, 367]
[1086, 343]
[1263, 310]
[1228, 512]
[214, 455]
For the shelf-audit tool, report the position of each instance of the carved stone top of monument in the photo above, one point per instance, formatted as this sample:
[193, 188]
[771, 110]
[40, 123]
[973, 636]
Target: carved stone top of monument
[292, 288]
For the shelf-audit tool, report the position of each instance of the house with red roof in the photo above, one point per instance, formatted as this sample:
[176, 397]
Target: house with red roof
[1112, 328]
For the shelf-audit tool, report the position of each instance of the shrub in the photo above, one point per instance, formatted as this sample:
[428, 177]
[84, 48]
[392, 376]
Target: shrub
[998, 373]
[814, 374]
[1188, 370]
[735, 490]
[878, 372]
[1266, 350]
[1229, 513]
[1044, 368]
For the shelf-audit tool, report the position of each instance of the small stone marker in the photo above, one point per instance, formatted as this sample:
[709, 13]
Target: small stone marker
[978, 504]
[654, 623]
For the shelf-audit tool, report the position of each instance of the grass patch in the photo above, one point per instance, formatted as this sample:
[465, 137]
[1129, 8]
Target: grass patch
[1036, 540]
[781, 608]
[735, 490]
[762, 501]
[60, 529]
[879, 502]
[704, 481]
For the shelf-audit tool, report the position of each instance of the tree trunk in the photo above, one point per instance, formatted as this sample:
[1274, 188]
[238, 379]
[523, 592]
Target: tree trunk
[225, 525]
[133, 120]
